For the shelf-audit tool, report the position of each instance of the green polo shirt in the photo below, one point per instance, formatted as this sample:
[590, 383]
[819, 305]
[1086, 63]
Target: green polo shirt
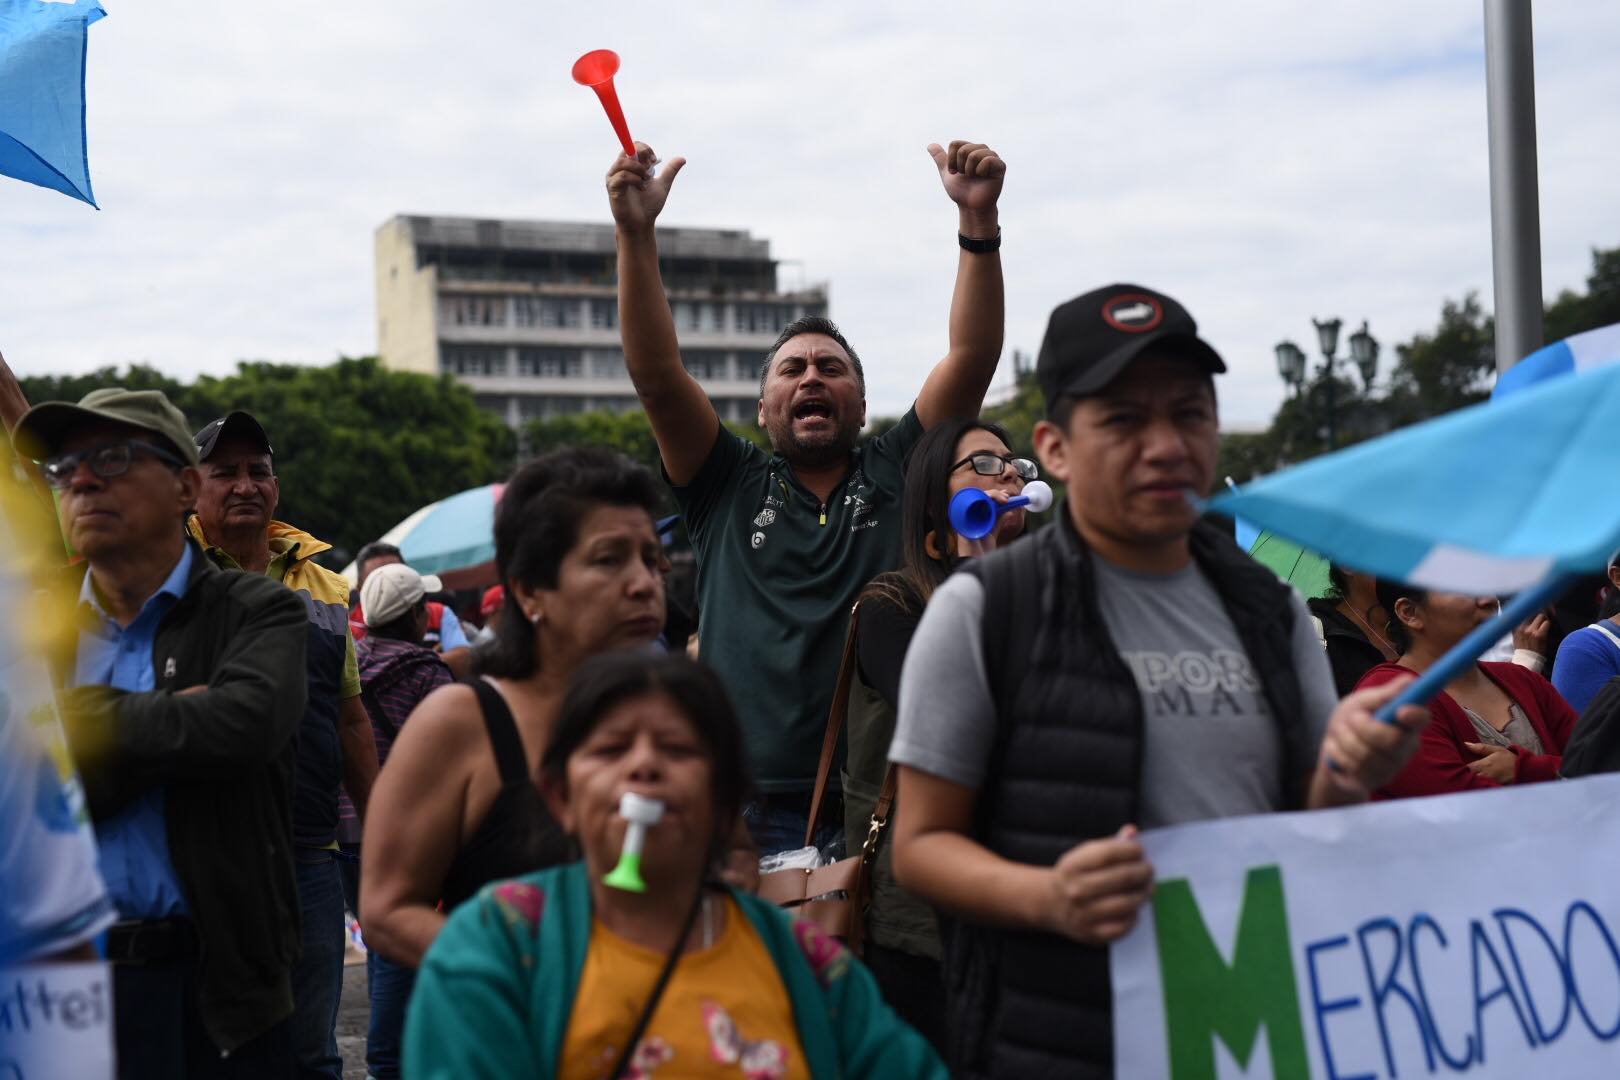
[777, 572]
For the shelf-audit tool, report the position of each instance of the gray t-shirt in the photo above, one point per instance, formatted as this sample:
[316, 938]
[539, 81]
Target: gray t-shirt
[1211, 748]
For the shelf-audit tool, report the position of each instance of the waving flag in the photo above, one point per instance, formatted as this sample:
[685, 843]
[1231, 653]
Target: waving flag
[42, 51]
[1490, 499]
[1575, 354]
[1514, 495]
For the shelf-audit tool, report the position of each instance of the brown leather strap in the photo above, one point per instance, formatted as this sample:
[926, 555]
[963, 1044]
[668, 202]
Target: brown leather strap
[835, 725]
[885, 799]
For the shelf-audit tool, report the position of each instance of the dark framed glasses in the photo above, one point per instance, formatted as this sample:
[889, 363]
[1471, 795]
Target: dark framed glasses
[106, 461]
[990, 463]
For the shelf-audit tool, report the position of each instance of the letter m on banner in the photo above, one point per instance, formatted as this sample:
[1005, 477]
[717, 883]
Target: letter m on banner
[1206, 998]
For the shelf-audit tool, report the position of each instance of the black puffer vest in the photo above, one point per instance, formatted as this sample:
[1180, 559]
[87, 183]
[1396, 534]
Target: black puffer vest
[1066, 769]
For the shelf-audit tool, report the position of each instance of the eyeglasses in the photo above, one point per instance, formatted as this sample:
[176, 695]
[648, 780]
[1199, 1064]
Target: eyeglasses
[990, 463]
[106, 461]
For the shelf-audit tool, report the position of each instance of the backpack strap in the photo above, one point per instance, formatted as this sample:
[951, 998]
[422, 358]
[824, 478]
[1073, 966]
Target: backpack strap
[371, 693]
[1608, 633]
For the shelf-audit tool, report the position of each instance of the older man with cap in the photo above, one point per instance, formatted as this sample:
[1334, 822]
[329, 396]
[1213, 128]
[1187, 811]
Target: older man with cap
[187, 689]
[397, 671]
[235, 524]
[1169, 678]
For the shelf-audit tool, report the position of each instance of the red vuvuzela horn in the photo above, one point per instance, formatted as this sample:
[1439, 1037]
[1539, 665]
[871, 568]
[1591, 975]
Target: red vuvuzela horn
[596, 70]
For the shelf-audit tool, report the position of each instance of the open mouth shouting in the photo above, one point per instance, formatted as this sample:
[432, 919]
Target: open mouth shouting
[813, 410]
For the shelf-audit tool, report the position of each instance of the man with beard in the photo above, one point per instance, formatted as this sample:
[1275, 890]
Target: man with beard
[784, 541]
[234, 524]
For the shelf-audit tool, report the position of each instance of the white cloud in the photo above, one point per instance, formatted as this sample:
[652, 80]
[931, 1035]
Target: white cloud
[1264, 162]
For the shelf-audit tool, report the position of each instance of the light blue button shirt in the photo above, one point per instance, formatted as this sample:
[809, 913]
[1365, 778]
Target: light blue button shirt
[135, 842]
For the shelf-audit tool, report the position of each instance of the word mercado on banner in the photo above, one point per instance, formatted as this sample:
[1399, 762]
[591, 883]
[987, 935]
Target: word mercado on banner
[1382, 941]
[56, 1022]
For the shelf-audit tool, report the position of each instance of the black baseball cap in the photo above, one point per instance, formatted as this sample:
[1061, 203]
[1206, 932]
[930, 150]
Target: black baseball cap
[235, 424]
[1091, 338]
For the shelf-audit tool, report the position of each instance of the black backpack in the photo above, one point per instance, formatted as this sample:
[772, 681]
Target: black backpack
[1594, 747]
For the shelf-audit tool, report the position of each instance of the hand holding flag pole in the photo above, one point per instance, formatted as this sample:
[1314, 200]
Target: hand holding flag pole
[596, 70]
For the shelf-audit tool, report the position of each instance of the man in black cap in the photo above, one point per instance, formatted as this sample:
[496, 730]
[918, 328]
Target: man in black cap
[235, 525]
[1127, 667]
[187, 689]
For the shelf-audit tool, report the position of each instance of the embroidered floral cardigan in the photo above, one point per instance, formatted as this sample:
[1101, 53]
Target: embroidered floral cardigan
[495, 992]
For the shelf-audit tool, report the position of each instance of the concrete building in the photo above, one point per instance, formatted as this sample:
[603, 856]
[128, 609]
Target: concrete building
[525, 312]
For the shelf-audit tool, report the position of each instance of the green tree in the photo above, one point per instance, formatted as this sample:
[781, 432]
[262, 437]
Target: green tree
[630, 433]
[358, 447]
[73, 387]
[1444, 370]
[1573, 313]
[1020, 413]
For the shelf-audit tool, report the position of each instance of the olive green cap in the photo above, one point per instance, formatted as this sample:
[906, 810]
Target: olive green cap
[44, 427]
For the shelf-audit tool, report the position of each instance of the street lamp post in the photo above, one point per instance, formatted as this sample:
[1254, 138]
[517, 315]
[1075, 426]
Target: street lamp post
[1363, 353]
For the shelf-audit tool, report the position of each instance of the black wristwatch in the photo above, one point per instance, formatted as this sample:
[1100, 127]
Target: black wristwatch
[977, 246]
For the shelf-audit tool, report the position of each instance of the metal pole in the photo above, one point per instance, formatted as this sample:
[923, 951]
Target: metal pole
[1332, 406]
[1510, 89]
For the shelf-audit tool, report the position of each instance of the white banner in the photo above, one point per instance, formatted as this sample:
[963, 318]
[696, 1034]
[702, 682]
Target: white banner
[56, 1022]
[1474, 935]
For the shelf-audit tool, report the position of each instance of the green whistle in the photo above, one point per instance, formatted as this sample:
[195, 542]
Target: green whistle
[642, 813]
[627, 875]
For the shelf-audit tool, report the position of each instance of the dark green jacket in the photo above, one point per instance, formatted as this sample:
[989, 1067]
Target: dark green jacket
[224, 758]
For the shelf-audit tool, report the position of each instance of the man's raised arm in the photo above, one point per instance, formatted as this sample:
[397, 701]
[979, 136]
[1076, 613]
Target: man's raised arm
[972, 175]
[683, 419]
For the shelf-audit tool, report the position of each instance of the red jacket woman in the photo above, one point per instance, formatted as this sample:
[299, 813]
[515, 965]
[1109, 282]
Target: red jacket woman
[1495, 724]
[1451, 743]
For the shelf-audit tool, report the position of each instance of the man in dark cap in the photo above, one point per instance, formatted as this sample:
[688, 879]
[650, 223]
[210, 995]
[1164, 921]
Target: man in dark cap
[1169, 679]
[236, 526]
[187, 690]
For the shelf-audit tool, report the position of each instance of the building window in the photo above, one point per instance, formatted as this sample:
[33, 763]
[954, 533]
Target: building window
[551, 363]
[606, 364]
[752, 368]
[472, 360]
[761, 318]
[708, 365]
[546, 406]
[604, 314]
[548, 312]
[474, 310]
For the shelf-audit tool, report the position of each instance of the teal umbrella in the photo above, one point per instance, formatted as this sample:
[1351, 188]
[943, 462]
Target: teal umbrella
[1302, 568]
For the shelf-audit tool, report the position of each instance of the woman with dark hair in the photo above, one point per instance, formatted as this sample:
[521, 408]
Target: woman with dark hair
[559, 974]
[1495, 724]
[1348, 621]
[458, 806]
[901, 939]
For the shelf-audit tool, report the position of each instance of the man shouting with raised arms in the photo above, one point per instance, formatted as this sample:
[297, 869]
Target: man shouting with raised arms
[784, 541]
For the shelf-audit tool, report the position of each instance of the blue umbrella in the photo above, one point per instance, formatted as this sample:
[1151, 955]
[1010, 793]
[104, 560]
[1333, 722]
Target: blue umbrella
[42, 50]
[1515, 495]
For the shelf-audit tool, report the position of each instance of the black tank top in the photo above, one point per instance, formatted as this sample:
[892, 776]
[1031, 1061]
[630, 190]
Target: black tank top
[518, 835]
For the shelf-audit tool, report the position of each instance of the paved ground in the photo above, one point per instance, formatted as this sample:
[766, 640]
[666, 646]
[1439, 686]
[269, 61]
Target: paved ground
[351, 1022]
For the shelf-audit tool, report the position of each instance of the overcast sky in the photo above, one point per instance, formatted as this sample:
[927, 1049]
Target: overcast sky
[1263, 162]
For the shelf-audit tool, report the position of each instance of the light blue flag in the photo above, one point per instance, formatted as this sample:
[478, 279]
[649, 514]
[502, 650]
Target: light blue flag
[1571, 356]
[42, 51]
[1491, 499]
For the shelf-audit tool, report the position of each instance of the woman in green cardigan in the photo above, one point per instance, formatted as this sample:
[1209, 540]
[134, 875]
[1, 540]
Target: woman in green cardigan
[558, 974]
